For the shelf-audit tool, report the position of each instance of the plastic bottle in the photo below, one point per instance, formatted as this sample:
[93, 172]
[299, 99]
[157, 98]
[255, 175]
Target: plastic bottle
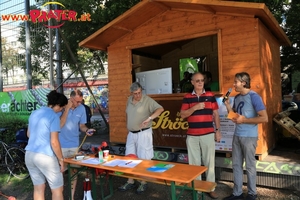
[178, 89]
[100, 153]
[292, 93]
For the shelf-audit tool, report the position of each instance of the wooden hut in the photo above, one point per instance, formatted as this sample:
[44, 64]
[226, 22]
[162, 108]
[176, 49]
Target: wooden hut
[155, 34]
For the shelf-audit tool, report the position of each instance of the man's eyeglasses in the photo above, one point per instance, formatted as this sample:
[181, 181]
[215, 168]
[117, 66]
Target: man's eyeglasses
[137, 93]
[199, 80]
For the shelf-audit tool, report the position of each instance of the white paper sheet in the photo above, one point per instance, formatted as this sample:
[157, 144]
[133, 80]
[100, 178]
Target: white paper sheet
[130, 163]
[113, 163]
[93, 161]
[122, 163]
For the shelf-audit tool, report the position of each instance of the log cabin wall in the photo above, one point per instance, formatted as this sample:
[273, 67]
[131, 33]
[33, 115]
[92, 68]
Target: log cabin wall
[271, 85]
[148, 63]
[240, 48]
[119, 78]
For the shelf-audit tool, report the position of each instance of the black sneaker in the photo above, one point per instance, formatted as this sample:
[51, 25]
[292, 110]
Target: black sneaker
[251, 196]
[126, 186]
[142, 188]
[232, 197]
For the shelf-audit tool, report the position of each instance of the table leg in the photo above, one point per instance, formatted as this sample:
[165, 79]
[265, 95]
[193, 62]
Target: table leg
[111, 187]
[70, 181]
[102, 183]
[94, 190]
[108, 178]
[173, 190]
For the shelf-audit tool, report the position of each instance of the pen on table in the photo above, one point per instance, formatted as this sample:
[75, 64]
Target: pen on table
[128, 163]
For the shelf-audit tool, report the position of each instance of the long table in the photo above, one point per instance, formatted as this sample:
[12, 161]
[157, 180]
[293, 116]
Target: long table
[179, 173]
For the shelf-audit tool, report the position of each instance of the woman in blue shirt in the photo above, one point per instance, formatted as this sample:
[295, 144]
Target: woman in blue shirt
[43, 156]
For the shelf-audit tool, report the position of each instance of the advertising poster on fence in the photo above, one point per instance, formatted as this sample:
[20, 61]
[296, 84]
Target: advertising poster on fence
[22, 103]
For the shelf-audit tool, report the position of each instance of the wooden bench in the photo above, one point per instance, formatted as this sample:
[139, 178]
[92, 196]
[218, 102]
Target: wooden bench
[199, 185]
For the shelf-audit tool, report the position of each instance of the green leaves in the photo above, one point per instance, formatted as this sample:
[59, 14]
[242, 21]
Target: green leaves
[102, 12]
[290, 56]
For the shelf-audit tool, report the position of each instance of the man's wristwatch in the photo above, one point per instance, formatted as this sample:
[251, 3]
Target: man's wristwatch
[217, 129]
[150, 118]
[61, 159]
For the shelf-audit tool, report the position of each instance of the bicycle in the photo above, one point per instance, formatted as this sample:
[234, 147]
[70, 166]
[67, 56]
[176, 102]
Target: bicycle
[12, 157]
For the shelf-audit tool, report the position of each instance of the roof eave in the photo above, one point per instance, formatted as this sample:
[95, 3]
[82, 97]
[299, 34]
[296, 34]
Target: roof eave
[258, 10]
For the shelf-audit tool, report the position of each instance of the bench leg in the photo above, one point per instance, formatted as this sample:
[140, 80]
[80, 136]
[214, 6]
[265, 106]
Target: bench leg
[202, 196]
[110, 183]
[103, 181]
[194, 192]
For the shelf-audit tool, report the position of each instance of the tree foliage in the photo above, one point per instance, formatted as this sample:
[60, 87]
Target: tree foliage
[287, 12]
[9, 58]
[102, 12]
[290, 57]
[39, 49]
[277, 7]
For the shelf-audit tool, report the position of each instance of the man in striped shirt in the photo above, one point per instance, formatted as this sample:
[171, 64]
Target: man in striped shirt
[201, 110]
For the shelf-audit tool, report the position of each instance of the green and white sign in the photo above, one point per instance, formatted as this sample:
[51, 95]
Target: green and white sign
[22, 103]
[187, 64]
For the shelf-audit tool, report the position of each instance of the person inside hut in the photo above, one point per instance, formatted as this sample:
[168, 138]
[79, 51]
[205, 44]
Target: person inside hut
[184, 80]
[209, 84]
[188, 86]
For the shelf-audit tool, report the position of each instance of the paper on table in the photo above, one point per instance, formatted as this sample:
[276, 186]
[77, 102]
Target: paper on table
[93, 161]
[113, 163]
[130, 163]
[122, 163]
